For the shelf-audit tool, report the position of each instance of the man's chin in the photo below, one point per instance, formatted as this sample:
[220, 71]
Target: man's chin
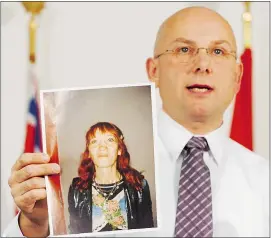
[200, 114]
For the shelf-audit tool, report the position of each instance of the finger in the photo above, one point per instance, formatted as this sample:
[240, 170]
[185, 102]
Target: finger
[30, 184]
[30, 158]
[27, 201]
[34, 170]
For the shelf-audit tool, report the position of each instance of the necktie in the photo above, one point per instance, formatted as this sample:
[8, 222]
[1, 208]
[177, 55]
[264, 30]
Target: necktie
[194, 209]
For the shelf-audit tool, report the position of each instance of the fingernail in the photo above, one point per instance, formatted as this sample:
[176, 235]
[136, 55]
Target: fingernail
[56, 168]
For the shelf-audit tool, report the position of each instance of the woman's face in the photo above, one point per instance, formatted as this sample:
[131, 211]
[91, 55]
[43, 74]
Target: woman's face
[103, 149]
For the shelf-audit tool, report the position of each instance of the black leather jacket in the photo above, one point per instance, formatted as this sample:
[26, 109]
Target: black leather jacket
[139, 207]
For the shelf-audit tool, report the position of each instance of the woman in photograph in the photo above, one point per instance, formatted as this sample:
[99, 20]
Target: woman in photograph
[108, 194]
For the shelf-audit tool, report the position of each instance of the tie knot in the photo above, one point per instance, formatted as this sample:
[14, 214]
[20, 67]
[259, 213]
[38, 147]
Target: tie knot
[198, 142]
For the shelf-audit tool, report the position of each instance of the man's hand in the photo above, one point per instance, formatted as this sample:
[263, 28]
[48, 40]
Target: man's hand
[27, 185]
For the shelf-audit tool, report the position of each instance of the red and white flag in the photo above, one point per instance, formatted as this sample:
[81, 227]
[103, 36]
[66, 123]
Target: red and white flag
[242, 122]
[33, 140]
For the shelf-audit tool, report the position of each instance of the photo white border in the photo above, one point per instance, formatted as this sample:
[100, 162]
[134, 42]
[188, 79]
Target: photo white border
[155, 134]
[44, 148]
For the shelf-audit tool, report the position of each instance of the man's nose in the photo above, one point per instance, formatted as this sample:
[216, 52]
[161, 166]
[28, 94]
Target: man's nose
[202, 62]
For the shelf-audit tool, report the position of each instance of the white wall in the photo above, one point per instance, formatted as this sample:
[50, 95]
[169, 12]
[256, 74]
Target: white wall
[86, 44]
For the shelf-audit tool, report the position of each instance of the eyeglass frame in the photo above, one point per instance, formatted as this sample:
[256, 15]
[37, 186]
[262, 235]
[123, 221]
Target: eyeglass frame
[232, 53]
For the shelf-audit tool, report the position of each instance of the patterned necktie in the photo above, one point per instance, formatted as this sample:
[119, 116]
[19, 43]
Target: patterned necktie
[194, 209]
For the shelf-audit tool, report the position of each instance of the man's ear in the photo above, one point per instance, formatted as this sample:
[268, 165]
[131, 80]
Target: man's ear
[152, 71]
[119, 152]
[239, 75]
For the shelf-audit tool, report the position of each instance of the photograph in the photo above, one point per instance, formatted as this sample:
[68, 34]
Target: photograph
[103, 140]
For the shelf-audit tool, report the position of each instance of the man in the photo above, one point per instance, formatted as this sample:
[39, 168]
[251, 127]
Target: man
[208, 184]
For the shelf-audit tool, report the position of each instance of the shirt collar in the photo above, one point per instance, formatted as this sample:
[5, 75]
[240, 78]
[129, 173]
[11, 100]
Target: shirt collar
[217, 141]
[174, 136]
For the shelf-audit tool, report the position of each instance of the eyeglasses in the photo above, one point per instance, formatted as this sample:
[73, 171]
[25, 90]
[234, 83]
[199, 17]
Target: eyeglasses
[185, 54]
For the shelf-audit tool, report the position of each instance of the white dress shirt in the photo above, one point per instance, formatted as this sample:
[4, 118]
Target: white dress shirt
[239, 180]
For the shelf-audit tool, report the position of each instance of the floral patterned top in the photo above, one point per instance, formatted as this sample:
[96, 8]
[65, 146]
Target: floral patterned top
[108, 207]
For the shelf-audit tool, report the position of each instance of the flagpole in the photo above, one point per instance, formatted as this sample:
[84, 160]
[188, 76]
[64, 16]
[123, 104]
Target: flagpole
[247, 18]
[33, 142]
[34, 8]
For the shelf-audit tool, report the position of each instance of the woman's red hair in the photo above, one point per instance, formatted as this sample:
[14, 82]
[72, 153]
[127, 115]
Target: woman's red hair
[86, 170]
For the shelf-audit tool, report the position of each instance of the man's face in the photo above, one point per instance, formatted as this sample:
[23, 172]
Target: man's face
[179, 81]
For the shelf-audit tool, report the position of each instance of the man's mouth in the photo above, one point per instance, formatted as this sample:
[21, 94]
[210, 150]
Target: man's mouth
[199, 88]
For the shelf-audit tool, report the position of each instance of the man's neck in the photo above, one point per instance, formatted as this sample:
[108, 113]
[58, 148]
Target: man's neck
[197, 126]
